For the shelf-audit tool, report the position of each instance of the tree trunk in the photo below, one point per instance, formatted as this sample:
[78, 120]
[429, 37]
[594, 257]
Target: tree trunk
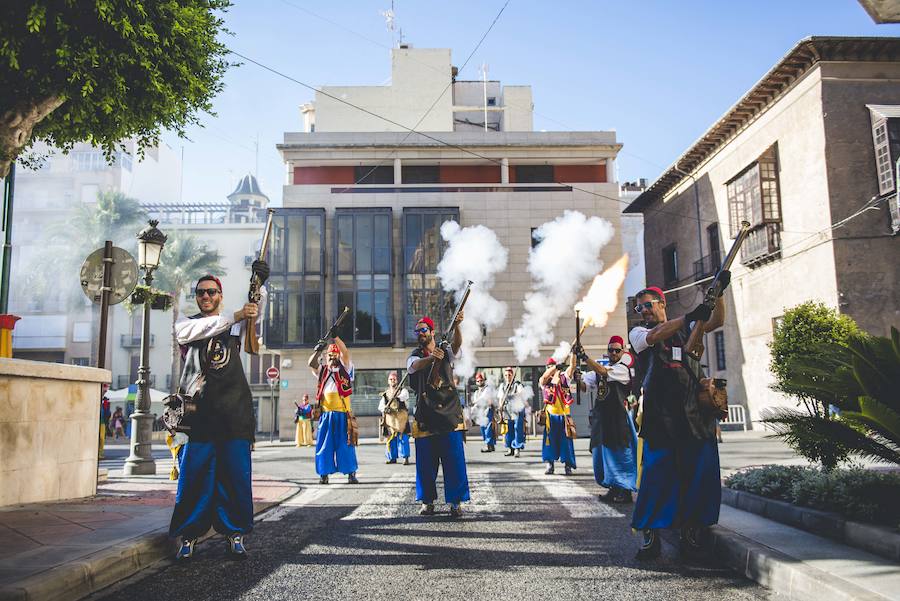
[16, 125]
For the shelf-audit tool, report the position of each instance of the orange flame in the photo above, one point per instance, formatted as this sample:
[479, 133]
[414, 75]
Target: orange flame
[603, 296]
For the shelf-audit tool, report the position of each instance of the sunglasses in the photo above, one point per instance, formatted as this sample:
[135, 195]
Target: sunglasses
[614, 350]
[211, 292]
[641, 306]
[421, 330]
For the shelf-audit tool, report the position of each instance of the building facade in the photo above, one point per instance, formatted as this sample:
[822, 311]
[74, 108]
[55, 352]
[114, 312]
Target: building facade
[365, 199]
[808, 157]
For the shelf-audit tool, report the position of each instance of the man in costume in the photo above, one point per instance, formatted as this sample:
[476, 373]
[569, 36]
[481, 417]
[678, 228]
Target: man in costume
[334, 451]
[438, 422]
[613, 437]
[302, 417]
[483, 409]
[512, 412]
[557, 446]
[394, 408]
[680, 481]
[214, 487]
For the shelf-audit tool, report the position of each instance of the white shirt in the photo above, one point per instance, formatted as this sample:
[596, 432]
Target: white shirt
[190, 330]
[403, 397]
[618, 372]
[638, 337]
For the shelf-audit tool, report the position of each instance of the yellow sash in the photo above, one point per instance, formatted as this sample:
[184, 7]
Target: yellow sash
[331, 401]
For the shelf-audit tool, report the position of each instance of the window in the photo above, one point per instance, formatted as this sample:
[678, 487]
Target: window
[81, 361]
[295, 286]
[81, 331]
[492, 101]
[534, 239]
[89, 160]
[754, 196]
[421, 174]
[886, 136]
[423, 248]
[368, 384]
[373, 174]
[362, 251]
[715, 254]
[670, 264]
[720, 350]
[533, 174]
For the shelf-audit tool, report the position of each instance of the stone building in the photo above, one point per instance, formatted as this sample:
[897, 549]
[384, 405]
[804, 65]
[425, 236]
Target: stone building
[808, 157]
[365, 198]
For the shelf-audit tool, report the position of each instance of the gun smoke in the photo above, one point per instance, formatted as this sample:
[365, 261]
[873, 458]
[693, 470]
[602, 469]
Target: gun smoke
[566, 256]
[473, 253]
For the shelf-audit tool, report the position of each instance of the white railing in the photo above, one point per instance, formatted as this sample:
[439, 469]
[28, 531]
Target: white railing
[736, 417]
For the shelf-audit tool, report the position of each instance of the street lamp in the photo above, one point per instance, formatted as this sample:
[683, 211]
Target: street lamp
[140, 460]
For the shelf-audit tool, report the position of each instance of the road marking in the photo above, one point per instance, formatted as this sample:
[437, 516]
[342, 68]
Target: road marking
[482, 493]
[305, 497]
[387, 500]
[576, 500]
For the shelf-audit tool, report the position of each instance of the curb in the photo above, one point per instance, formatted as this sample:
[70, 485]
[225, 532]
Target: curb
[868, 537]
[782, 573]
[94, 572]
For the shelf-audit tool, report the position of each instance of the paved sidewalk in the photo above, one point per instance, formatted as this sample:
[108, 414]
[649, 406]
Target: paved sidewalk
[67, 550]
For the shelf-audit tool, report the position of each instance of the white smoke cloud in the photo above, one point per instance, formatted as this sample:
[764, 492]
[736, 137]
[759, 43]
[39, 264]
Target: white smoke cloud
[566, 257]
[483, 400]
[563, 351]
[473, 253]
[518, 402]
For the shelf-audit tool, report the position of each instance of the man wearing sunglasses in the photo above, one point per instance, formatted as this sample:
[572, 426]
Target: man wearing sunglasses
[680, 479]
[438, 423]
[613, 437]
[512, 411]
[215, 488]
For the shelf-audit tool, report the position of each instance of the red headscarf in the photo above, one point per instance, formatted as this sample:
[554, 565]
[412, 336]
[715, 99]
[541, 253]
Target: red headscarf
[614, 339]
[428, 322]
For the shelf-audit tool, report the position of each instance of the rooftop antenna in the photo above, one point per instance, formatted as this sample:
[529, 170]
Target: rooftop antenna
[484, 70]
[389, 21]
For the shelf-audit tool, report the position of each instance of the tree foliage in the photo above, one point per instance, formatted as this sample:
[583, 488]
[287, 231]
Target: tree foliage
[103, 70]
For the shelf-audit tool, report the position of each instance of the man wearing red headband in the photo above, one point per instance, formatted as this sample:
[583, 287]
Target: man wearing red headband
[483, 404]
[438, 423]
[215, 488]
[513, 400]
[334, 451]
[613, 437]
[680, 480]
[557, 445]
[393, 407]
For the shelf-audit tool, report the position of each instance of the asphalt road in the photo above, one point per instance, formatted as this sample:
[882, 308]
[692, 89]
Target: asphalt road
[523, 536]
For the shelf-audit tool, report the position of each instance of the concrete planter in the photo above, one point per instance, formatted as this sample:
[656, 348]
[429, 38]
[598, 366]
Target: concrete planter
[868, 537]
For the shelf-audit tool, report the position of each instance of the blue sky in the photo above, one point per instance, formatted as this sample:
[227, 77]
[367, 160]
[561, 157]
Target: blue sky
[659, 73]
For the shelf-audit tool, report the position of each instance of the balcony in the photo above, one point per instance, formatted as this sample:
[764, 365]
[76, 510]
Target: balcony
[126, 381]
[707, 266]
[763, 244]
[134, 340]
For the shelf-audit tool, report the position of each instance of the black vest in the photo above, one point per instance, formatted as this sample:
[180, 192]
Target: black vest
[438, 410]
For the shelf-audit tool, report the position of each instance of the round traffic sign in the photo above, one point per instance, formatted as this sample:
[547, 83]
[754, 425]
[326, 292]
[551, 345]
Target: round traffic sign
[272, 373]
[123, 275]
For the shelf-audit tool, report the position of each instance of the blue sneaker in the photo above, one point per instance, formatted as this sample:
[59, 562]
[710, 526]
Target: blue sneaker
[186, 550]
[236, 549]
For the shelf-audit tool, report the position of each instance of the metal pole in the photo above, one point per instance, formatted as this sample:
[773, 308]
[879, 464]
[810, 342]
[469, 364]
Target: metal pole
[272, 389]
[104, 303]
[9, 189]
[140, 461]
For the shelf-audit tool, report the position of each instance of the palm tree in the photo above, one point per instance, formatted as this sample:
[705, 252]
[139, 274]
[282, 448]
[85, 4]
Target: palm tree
[184, 260]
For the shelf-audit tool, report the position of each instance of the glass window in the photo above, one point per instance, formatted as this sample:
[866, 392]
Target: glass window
[421, 174]
[720, 350]
[294, 315]
[368, 386]
[670, 264]
[534, 174]
[423, 248]
[373, 174]
[363, 243]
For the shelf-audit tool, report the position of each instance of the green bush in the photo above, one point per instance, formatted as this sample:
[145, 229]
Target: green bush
[855, 493]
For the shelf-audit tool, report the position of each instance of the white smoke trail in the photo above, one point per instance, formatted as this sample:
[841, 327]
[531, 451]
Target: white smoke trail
[562, 351]
[518, 402]
[473, 253]
[565, 258]
[483, 400]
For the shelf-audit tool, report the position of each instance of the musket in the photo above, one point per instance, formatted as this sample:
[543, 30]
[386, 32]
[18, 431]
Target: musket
[390, 402]
[434, 378]
[694, 347]
[332, 331]
[577, 347]
[251, 340]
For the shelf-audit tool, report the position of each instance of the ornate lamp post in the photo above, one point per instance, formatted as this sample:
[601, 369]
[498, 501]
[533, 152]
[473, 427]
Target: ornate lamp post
[140, 461]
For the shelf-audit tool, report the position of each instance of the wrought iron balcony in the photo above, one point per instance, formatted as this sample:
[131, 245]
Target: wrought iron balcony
[134, 340]
[763, 244]
[707, 266]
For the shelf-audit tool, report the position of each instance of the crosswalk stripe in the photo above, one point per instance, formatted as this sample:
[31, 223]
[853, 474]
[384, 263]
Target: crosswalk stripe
[306, 497]
[483, 495]
[387, 500]
[575, 499]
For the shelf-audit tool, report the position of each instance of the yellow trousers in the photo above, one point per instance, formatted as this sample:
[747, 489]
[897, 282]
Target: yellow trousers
[304, 436]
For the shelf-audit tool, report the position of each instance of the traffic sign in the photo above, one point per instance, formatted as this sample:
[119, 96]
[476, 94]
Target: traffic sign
[272, 373]
[284, 384]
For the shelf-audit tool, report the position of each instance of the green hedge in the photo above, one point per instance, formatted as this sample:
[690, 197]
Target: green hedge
[855, 493]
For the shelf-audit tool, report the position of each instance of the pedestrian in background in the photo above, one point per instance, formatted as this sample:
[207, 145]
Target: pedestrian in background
[117, 423]
[302, 417]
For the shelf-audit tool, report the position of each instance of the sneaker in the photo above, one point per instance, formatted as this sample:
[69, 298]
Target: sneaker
[491, 448]
[427, 509]
[323, 480]
[351, 478]
[518, 453]
[691, 542]
[406, 461]
[485, 449]
[236, 549]
[568, 470]
[549, 469]
[186, 550]
[390, 461]
[509, 453]
[455, 510]
[650, 545]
